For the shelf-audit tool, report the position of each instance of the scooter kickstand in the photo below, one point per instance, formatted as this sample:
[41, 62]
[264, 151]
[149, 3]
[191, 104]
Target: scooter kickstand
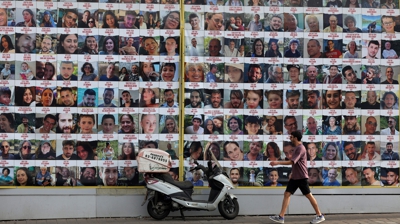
[182, 215]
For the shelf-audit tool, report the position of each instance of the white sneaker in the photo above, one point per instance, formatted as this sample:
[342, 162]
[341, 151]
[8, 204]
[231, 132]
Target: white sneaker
[318, 219]
[277, 218]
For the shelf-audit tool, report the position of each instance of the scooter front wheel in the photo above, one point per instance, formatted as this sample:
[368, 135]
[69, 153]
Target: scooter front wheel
[228, 208]
[158, 210]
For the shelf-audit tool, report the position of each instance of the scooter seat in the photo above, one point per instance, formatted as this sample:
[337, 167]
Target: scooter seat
[184, 185]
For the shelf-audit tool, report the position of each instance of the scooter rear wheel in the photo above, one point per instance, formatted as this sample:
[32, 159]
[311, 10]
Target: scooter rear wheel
[157, 211]
[228, 208]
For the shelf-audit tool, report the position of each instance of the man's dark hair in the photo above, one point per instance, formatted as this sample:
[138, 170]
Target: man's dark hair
[370, 143]
[297, 134]
[346, 143]
[255, 66]
[84, 168]
[291, 93]
[234, 168]
[389, 143]
[371, 168]
[109, 89]
[375, 42]
[126, 91]
[199, 92]
[68, 142]
[316, 92]
[90, 92]
[51, 116]
[216, 91]
[212, 66]
[277, 16]
[344, 70]
[193, 15]
[236, 93]
[66, 89]
[168, 90]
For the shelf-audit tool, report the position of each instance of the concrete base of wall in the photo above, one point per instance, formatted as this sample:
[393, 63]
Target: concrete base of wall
[48, 203]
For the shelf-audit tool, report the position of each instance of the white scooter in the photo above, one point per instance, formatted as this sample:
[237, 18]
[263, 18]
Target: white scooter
[169, 195]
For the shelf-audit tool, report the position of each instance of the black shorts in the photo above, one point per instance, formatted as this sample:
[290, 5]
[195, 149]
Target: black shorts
[301, 183]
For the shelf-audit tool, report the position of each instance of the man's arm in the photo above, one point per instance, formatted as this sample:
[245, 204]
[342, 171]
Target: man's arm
[274, 163]
[122, 51]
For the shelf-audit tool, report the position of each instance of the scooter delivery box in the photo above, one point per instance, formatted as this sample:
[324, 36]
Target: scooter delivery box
[153, 161]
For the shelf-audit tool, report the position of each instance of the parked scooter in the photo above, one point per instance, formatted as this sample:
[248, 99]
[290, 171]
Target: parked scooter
[169, 195]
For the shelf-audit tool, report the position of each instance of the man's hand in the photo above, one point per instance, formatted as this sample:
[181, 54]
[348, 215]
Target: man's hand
[122, 52]
[273, 163]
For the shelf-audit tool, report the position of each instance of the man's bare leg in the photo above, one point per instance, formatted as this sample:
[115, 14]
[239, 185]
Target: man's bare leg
[285, 203]
[313, 203]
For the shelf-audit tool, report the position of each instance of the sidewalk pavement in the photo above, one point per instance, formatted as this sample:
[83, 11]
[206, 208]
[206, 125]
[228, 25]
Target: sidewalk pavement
[392, 218]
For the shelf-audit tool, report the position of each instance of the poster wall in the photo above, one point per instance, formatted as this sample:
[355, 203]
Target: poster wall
[255, 71]
[85, 85]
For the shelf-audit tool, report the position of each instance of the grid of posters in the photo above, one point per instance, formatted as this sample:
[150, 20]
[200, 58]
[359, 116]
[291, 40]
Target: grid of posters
[85, 86]
[257, 70]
